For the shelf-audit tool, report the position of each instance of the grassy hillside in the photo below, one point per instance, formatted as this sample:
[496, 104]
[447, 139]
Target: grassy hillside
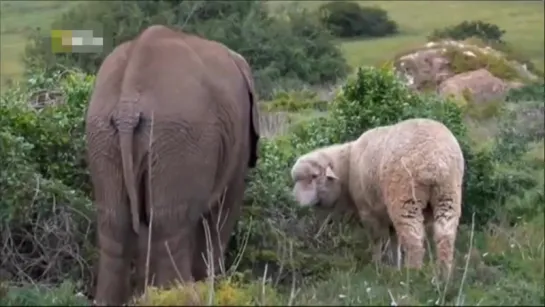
[523, 21]
[17, 18]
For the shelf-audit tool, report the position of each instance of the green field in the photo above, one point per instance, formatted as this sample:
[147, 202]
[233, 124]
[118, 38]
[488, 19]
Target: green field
[522, 20]
[17, 19]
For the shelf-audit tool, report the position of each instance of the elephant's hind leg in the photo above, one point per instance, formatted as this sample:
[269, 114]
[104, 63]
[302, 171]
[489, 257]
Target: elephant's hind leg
[145, 262]
[181, 184]
[114, 234]
[171, 246]
[221, 221]
[173, 218]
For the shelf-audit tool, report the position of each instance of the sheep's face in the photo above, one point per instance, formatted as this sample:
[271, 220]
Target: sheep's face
[315, 185]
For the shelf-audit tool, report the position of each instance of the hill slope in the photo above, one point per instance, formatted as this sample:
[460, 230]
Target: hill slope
[523, 21]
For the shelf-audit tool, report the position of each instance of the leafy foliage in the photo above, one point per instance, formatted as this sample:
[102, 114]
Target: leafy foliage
[508, 51]
[372, 98]
[486, 31]
[349, 19]
[289, 47]
[530, 92]
[496, 65]
[39, 295]
[45, 210]
[295, 101]
[58, 216]
[226, 292]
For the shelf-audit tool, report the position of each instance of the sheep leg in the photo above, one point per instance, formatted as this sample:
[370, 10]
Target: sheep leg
[378, 248]
[408, 221]
[446, 216]
[378, 234]
[393, 249]
[388, 250]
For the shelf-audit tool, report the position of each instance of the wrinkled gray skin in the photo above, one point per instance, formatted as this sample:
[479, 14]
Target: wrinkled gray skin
[195, 99]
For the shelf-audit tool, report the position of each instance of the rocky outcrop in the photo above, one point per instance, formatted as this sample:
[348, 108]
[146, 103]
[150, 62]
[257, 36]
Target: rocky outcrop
[478, 86]
[459, 69]
[424, 69]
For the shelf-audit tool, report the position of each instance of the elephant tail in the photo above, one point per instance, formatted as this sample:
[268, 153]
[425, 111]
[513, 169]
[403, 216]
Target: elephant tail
[127, 119]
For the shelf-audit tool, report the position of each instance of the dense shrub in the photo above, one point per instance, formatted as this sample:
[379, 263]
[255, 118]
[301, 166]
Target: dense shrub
[46, 212]
[377, 99]
[349, 19]
[486, 31]
[498, 66]
[295, 101]
[509, 51]
[42, 295]
[224, 293]
[530, 92]
[290, 47]
[58, 129]
[372, 99]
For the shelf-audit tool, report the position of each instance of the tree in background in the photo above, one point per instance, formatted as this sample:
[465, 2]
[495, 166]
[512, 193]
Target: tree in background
[288, 48]
[349, 19]
[488, 32]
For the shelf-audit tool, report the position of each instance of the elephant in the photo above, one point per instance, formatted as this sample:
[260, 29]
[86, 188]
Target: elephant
[172, 131]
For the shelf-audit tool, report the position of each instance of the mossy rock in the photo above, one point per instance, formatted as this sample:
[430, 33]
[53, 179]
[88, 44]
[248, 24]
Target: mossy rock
[425, 68]
[508, 52]
[470, 59]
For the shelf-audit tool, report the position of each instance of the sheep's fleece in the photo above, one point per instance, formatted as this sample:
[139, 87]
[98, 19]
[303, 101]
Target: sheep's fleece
[396, 175]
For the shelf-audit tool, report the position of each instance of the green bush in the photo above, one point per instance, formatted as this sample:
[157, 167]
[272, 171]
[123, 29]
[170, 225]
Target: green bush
[45, 210]
[497, 65]
[486, 31]
[227, 292]
[46, 213]
[523, 206]
[349, 19]
[295, 101]
[373, 98]
[377, 99]
[508, 51]
[57, 130]
[40, 295]
[289, 47]
[530, 92]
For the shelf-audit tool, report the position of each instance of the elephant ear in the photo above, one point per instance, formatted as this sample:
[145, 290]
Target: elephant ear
[246, 71]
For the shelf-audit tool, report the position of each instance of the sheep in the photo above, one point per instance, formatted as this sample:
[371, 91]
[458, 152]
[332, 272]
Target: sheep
[407, 175]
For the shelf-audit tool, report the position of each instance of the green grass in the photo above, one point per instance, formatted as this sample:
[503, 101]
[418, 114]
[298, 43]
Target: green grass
[505, 267]
[17, 19]
[497, 266]
[500, 265]
[523, 21]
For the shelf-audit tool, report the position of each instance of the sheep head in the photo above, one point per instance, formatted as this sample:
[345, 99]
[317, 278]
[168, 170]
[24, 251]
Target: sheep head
[316, 183]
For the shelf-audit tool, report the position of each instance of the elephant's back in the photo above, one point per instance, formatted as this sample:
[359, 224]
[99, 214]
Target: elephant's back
[107, 87]
[177, 75]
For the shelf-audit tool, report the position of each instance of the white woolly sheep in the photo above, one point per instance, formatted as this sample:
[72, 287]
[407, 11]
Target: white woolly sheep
[402, 175]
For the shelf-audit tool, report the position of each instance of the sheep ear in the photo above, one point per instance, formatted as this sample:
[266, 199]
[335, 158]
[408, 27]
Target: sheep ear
[330, 174]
